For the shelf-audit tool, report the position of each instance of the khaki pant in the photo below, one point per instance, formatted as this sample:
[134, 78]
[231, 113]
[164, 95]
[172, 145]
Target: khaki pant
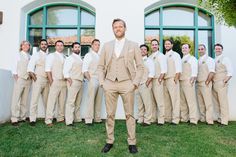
[19, 106]
[57, 95]
[74, 98]
[172, 101]
[158, 93]
[95, 94]
[204, 95]
[220, 99]
[40, 87]
[145, 102]
[126, 90]
[188, 102]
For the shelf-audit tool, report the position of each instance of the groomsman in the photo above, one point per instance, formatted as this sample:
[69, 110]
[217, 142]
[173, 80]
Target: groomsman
[95, 93]
[171, 87]
[188, 101]
[160, 61]
[206, 70]
[144, 91]
[57, 82]
[36, 70]
[73, 74]
[120, 72]
[223, 73]
[22, 84]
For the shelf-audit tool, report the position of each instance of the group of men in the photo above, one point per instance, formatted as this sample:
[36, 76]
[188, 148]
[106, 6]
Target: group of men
[164, 84]
[172, 89]
[55, 77]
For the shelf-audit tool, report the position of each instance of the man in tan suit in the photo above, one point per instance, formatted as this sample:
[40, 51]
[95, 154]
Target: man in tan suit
[118, 76]
[57, 82]
[206, 70]
[223, 73]
[171, 84]
[22, 84]
[144, 91]
[36, 69]
[95, 93]
[157, 85]
[72, 71]
[188, 101]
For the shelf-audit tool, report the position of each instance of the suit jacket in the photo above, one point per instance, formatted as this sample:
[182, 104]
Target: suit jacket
[132, 56]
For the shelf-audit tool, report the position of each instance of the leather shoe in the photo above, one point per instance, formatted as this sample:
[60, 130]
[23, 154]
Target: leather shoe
[133, 149]
[32, 123]
[107, 148]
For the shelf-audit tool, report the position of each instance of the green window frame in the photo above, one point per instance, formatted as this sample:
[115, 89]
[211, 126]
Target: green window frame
[195, 28]
[44, 26]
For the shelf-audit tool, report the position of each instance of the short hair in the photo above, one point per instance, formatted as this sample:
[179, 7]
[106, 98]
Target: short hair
[155, 40]
[75, 43]
[59, 41]
[23, 42]
[116, 20]
[95, 40]
[189, 46]
[203, 45]
[144, 45]
[218, 44]
[171, 41]
[42, 41]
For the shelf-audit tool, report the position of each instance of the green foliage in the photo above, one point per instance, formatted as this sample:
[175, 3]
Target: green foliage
[224, 10]
[85, 141]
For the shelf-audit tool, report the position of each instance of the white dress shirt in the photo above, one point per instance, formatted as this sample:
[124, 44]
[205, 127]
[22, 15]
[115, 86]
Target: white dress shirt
[17, 58]
[161, 59]
[68, 64]
[209, 61]
[33, 60]
[227, 63]
[177, 60]
[193, 63]
[148, 62]
[50, 60]
[119, 44]
[88, 59]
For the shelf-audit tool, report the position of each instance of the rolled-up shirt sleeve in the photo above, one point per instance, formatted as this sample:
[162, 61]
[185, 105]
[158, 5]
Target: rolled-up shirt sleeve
[32, 63]
[228, 66]
[86, 62]
[49, 62]
[194, 67]
[178, 64]
[151, 68]
[67, 67]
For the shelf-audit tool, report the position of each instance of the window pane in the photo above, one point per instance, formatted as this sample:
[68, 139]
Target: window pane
[67, 50]
[178, 16]
[37, 18]
[84, 50]
[179, 37]
[152, 19]
[205, 37]
[204, 19]
[151, 34]
[62, 15]
[87, 35]
[87, 18]
[68, 36]
[35, 36]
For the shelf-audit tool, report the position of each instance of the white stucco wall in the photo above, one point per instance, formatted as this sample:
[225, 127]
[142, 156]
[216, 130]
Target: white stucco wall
[13, 30]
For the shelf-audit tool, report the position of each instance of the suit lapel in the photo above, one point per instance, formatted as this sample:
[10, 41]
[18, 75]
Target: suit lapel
[111, 50]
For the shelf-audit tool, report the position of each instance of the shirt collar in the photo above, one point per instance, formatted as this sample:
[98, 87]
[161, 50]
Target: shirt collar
[76, 56]
[168, 53]
[42, 52]
[93, 52]
[218, 57]
[203, 57]
[145, 57]
[120, 41]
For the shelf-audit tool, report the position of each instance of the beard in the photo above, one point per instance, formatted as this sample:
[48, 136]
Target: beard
[77, 52]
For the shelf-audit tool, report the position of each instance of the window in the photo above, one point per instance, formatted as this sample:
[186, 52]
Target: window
[182, 24]
[69, 23]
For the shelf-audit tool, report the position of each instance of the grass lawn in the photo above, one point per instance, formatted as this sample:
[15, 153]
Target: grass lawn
[81, 140]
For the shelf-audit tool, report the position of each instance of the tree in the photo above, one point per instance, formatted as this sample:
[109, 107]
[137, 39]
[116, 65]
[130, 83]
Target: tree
[224, 10]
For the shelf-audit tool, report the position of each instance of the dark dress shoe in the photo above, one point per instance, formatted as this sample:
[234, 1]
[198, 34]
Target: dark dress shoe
[15, 124]
[145, 124]
[133, 149]
[32, 123]
[70, 125]
[107, 148]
